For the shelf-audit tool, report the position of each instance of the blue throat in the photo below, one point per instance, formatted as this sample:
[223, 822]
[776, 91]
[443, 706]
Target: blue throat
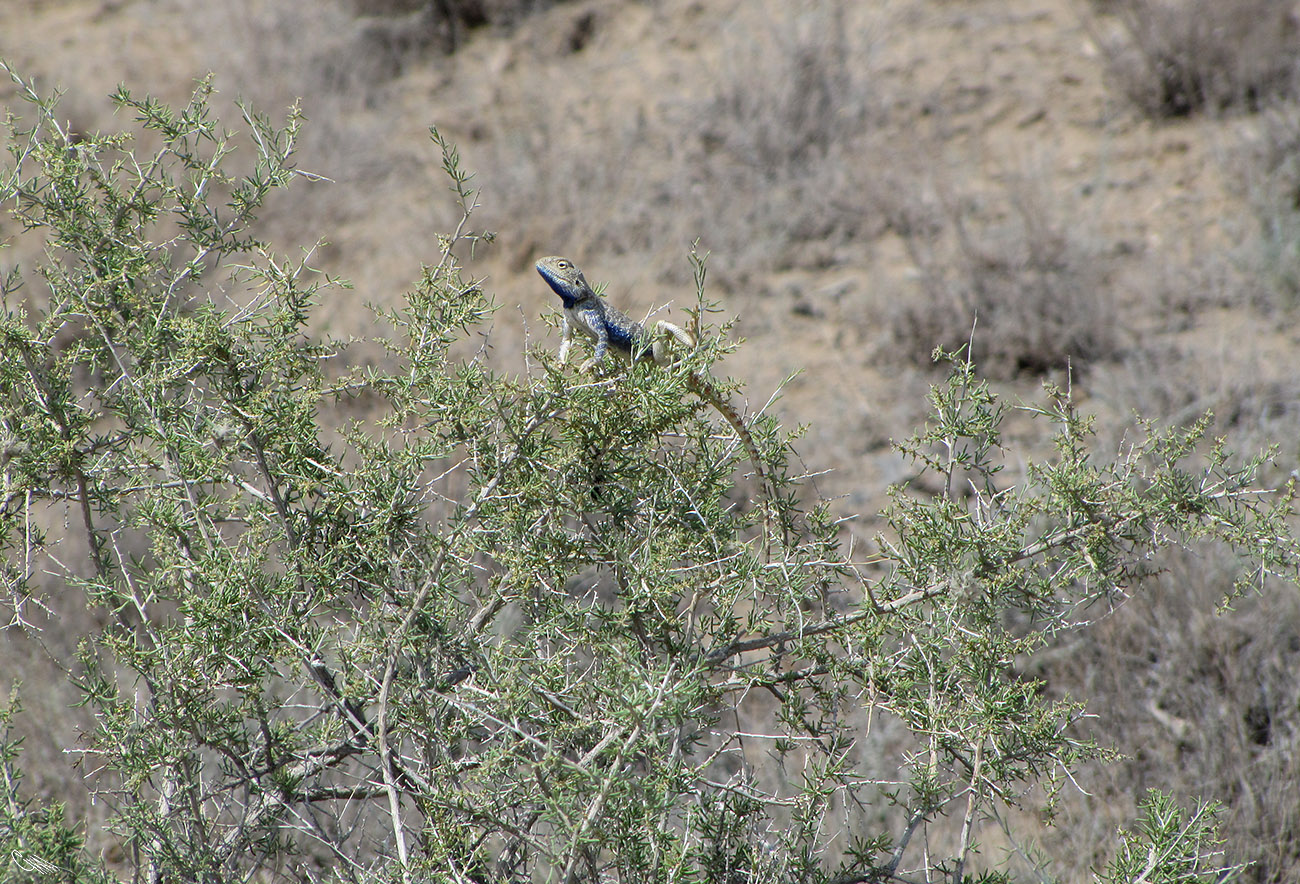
[560, 289]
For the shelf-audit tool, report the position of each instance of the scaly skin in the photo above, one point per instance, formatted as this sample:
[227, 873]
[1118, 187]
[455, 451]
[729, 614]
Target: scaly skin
[608, 328]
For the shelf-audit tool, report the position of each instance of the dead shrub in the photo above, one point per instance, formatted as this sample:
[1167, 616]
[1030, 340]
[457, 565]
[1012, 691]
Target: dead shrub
[1266, 170]
[1031, 285]
[414, 22]
[1177, 57]
[765, 165]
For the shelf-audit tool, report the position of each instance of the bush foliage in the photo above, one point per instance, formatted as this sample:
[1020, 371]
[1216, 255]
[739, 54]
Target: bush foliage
[517, 629]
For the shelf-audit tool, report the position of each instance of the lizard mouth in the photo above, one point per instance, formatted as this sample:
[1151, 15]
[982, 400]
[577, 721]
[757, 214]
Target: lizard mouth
[545, 273]
[557, 285]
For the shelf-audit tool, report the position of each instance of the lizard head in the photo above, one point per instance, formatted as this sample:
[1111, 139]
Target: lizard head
[564, 278]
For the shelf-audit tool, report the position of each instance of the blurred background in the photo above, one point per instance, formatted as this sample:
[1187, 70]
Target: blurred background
[1106, 192]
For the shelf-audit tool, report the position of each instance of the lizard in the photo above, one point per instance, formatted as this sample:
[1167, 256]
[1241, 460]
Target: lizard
[610, 329]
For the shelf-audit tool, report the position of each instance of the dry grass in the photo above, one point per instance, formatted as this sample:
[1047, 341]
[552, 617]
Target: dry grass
[1200, 703]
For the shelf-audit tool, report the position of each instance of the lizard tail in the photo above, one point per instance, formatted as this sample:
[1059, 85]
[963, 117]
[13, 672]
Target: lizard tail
[710, 394]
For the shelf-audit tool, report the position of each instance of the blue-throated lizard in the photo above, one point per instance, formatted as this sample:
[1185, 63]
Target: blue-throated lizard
[608, 328]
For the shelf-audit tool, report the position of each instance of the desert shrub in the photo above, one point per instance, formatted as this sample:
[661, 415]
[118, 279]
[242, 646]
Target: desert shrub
[519, 628]
[37, 843]
[1177, 57]
[1019, 279]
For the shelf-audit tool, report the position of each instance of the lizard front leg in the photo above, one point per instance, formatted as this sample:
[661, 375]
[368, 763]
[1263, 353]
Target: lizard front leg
[596, 324]
[566, 340]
